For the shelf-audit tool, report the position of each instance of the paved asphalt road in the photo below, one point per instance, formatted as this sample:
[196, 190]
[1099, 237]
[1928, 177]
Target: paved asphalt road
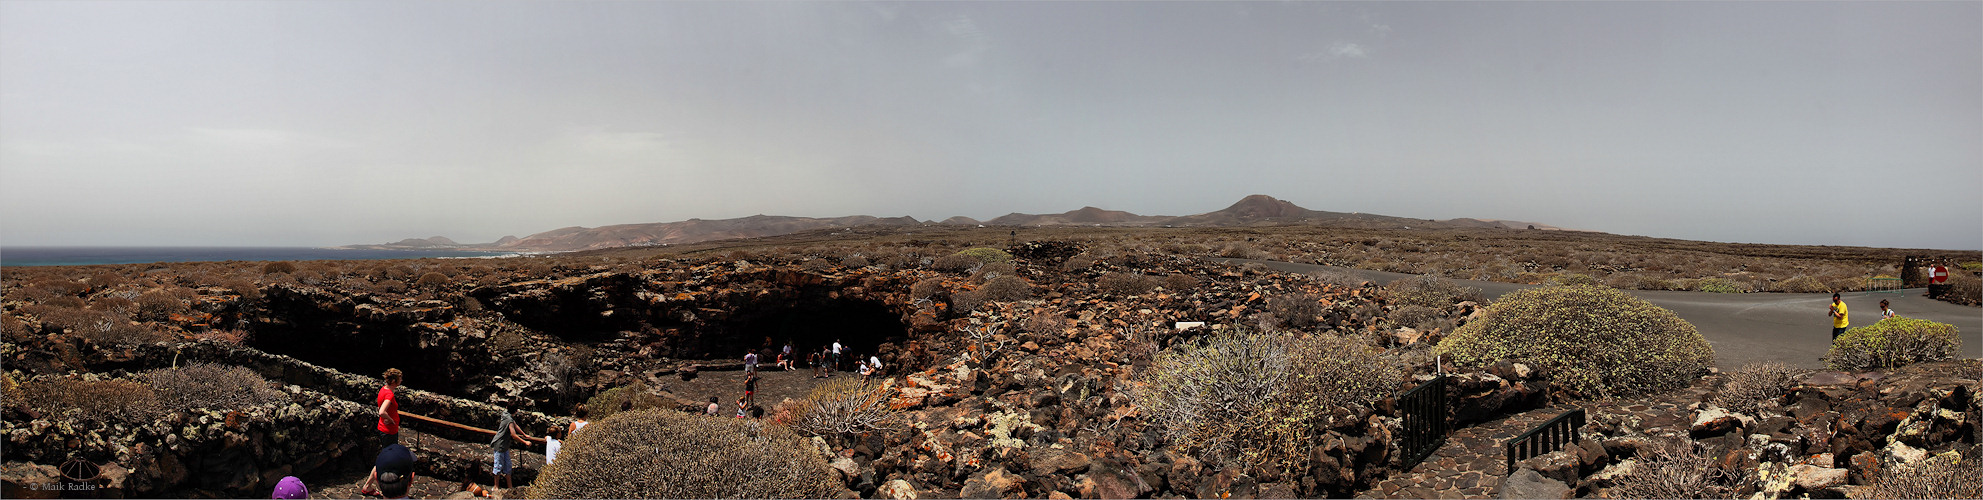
[1745, 327]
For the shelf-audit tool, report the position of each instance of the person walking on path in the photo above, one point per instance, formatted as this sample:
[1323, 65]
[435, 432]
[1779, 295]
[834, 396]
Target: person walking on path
[1838, 314]
[750, 362]
[1885, 310]
[817, 371]
[750, 387]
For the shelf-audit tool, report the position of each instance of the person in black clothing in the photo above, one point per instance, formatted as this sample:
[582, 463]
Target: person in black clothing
[750, 388]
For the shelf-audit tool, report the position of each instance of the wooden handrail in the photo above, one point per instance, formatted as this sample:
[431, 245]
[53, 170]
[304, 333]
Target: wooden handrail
[433, 420]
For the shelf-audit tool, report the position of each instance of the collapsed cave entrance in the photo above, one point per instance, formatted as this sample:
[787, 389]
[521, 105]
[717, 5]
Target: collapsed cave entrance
[810, 321]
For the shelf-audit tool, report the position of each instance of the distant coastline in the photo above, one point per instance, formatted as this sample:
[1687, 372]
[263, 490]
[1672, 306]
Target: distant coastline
[27, 256]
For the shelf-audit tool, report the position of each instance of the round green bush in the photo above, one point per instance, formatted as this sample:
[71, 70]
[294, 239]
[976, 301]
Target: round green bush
[1893, 342]
[1719, 285]
[670, 454]
[1598, 341]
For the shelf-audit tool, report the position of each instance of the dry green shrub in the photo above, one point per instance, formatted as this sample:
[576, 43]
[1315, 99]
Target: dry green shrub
[1800, 284]
[207, 385]
[1563, 279]
[101, 327]
[1893, 342]
[926, 289]
[1125, 284]
[1674, 469]
[1598, 341]
[13, 330]
[1243, 251]
[1258, 399]
[66, 302]
[389, 286]
[1964, 288]
[607, 402]
[817, 265]
[1006, 288]
[1418, 317]
[966, 301]
[855, 261]
[433, 281]
[1754, 383]
[279, 267]
[841, 406]
[1301, 311]
[955, 263]
[104, 400]
[1719, 285]
[1947, 475]
[114, 305]
[986, 254]
[671, 454]
[996, 269]
[1179, 282]
[1431, 291]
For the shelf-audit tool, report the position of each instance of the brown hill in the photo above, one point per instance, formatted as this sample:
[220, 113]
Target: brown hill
[961, 221]
[1086, 216]
[688, 231]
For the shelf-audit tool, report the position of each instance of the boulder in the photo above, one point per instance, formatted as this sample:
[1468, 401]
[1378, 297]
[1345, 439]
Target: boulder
[896, 490]
[1527, 483]
[1714, 421]
[1052, 461]
[996, 483]
[1561, 466]
[1814, 478]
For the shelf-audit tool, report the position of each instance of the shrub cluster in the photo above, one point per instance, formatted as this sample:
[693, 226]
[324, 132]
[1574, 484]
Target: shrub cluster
[607, 402]
[671, 454]
[1431, 291]
[927, 288]
[1006, 288]
[78, 399]
[1258, 399]
[207, 385]
[1947, 475]
[1754, 383]
[986, 254]
[955, 263]
[1125, 284]
[1179, 282]
[845, 405]
[1598, 341]
[1300, 311]
[1800, 284]
[1674, 469]
[1719, 285]
[1893, 342]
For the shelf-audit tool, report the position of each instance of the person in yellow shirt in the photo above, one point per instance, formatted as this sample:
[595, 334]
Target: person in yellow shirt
[1838, 313]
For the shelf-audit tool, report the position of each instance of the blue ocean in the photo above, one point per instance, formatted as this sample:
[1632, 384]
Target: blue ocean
[83, 256]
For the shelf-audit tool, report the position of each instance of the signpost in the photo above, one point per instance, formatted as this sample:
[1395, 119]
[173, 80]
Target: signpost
[1938, 275]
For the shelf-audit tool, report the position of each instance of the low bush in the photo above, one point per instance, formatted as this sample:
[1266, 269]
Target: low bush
[986, 255]
[432, 281]
[966, 301]
[1296, 312]
[855, 262]
[927, 288]
[1947, 475]
[1597, 341]
[1418, 317]
[1431, 291]
[1047, 323]
[1719, 285]
[1893, 342]
[1257, 399]
[1964, 289]
[955, 263]
[1745, 388]
[279, 267]
[1179, 282]
[1674, 469]
[996, 269]
[842, 406]
[104, 400]
[1079, 262]
[1006, 288]
[206, 385]
[1125, 284]
[1573, 279]
[671, 454]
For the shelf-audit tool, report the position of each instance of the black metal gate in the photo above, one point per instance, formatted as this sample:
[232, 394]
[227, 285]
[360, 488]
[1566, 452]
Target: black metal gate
[1424, 409]
[1548, 436]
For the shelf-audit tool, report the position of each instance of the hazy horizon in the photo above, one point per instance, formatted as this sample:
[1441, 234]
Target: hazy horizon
[316, 123]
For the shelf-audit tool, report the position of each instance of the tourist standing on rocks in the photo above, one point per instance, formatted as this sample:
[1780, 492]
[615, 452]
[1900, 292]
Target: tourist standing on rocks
[1838, 314]
[388, 427]
[1885, 311]
[392, 472]
[813, 359]
[750, 362]
[750, 387]
[507, 434]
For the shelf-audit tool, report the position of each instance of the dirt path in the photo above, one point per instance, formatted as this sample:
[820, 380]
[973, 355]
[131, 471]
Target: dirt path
[773, 385]
[1747, 327]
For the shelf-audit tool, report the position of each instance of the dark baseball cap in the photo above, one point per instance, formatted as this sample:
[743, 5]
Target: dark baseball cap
[395, 467]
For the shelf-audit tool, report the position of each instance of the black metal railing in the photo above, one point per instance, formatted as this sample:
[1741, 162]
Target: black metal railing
[1424, 409]
[1546, 437]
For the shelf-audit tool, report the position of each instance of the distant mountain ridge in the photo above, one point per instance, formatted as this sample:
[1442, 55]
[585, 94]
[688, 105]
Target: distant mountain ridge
[1249, 211]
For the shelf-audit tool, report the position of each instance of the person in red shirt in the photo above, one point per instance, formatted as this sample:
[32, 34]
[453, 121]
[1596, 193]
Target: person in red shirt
[388, 418]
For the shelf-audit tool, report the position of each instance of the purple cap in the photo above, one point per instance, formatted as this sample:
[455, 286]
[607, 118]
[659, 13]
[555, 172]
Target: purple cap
[290, 487]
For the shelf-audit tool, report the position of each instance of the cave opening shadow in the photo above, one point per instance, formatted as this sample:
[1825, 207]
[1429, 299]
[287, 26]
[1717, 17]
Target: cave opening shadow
[861, 326]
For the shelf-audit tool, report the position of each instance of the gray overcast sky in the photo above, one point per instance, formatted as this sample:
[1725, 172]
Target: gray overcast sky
[324, 123]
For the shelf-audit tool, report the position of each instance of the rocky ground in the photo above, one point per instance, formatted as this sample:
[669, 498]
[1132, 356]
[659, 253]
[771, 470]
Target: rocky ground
[1023, 396]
